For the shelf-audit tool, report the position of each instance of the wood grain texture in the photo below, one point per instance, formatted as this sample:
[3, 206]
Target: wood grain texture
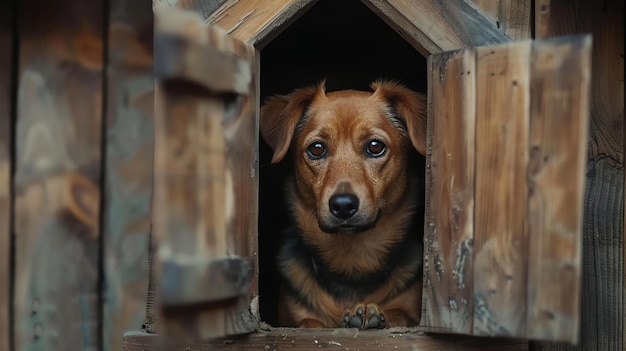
[333, 339]
[434, 26]
[448, 236]
[511, 17]
[58, 165]
[558, 130]
[205, 178]
[604, 282]
[258, 22]
[129, 165]
[500, 232]
[6, 122]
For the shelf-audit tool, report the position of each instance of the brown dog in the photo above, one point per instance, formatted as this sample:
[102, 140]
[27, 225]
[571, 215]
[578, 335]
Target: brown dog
[356, 249]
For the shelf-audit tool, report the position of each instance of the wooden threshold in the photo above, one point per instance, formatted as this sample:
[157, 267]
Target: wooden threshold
[337, 339]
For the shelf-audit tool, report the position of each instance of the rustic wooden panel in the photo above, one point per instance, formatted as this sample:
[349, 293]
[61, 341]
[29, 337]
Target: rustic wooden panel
[258, 22]
[511, 17]
[434, 26]
[602, 320]
[6, 104]
[205, 177]
[58, 165]
[334, 339]
[448, 294]
[525, 221]
[129, 164]
[555, 207]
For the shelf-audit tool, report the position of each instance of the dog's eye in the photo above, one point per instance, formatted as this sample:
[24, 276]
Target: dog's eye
[376, 148]
[316, 150]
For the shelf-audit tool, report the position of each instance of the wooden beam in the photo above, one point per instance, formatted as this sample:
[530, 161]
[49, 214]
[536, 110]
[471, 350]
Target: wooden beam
[58, 166]
[129, 165]
[258, 22]
[332, 339]
[434, 26]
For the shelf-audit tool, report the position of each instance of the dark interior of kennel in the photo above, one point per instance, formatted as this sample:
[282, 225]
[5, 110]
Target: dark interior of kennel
[347, 44]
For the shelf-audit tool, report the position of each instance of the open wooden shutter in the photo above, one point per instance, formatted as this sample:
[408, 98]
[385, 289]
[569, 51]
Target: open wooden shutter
[507, 141]
[205, 179]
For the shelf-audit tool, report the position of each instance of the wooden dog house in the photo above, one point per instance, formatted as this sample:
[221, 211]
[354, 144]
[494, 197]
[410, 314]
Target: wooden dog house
[77, 110]
[502, 233]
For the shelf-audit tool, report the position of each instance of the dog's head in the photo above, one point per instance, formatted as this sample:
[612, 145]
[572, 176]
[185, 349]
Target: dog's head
[350, 150]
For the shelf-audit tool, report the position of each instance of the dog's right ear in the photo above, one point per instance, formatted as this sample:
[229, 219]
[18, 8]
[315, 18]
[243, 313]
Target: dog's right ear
[280, 115]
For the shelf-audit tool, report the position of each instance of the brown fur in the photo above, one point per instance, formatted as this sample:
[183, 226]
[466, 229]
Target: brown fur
[345, 122]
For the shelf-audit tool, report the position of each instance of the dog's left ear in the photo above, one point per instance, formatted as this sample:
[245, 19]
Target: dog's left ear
[409, 106]
[280, 115]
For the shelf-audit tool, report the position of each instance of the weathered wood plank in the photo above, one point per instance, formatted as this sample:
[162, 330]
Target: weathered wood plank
[448, 289]
[129, 165]
[6, 105]
[604, 281]
[558, 131]
[435, 26]
[339, 339]
[58, 165]
[205, 182]
[258, 22]
[511, 17]
[500, 231]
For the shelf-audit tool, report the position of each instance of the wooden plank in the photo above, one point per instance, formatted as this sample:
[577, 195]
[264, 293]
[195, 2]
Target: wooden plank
[604, 282]
[338, 339]
[6, 127]
[58, 165]
[448, 274]
[511, 17]
[434, 26]
[558, 129]
[258, 22]
[500, 231]
[129, 164]
[205, 182]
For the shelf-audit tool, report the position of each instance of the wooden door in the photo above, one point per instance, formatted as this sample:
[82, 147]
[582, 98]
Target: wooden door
[205, 180]
[507, 141]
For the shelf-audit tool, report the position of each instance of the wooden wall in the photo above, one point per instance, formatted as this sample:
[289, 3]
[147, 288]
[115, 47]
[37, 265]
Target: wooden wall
[76, 141]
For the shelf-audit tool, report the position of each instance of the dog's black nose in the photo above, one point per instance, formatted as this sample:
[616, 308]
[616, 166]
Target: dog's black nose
[343, 206]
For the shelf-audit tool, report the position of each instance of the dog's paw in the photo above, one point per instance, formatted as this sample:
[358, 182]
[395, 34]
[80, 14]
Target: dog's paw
[363, 316]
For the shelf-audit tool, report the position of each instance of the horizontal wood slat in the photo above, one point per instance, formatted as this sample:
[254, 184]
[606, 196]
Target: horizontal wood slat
[331, 339]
